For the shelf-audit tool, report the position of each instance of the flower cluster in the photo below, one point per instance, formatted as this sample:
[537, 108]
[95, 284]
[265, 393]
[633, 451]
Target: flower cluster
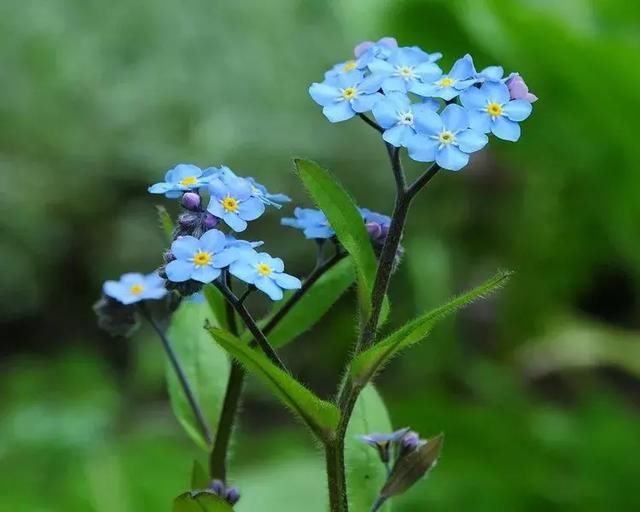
[439, 116]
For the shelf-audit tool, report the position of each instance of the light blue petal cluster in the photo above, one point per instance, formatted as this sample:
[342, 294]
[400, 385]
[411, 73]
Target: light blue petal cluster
[404, 69]
[134, 287]
[313, 223]
[264, 272]
[182, 178]
[448, 86]
[398, 116]
[258, 190]
[233, 201]
[200, 259]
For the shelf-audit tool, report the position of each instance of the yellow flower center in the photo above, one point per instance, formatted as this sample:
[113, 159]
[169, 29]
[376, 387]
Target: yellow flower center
[446, 137]
[230, 204]
[494, 109]
[446, 82]
[350, 65]
[264, 270]
[188, 181]
[136, 289]
[202, 258]
[349, 93]
[405, 71]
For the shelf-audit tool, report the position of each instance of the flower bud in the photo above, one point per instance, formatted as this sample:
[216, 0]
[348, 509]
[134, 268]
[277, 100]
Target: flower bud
[374, 229]
[217, 487]
[168, 257]
[186, 288]
[519, 90]
[209, 221]
[116, 318]
[191, 201]
[187, 220]
[232, 496]
[409, 443]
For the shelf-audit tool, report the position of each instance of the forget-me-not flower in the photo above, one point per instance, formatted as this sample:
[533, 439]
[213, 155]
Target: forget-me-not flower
[446, 139]
[519, 90]
[404, 69]
[199, 259]
[447, 87]
[384, 442]
[264, 272]
[491, 109]
[313, 223]
[397, 115]
[258, 190]
[232, 200]
[349, 94]
[182, 178]
[134, 287]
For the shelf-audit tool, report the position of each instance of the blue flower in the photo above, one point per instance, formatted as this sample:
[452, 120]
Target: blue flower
[384, 442]
[199, 259]
[518, 89]
[258, 190]
[182, 178]
[313, 223]
[491, 74]
[348, 95]
[134, 287]
[232, 201]
[491, 109]
[447, 87]
[377, 224]
[397, 115]
[446, 139]
[404, 69]
[264, 272]
[233, 242]
[342, 68]
[367, 51]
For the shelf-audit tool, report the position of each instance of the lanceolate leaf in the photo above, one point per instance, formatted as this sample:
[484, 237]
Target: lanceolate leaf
[217, 305]
[205, 365]
[365, 472]
[321, 417]
[368, 363]
[165, 222]
[200, 502]
[347, 222]
[199, 476]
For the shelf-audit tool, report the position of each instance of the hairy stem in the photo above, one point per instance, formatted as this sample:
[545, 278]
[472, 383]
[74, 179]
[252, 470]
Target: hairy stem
[336, 477]
[182, 378]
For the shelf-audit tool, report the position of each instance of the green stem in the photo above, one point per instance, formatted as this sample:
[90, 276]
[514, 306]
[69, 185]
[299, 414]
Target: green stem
[336, 477]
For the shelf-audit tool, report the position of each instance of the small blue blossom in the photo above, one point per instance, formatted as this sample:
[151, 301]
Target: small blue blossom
[182, 178]
[377, 225]
[446, 139]
[233, 242]
[447, 87]
[134, 287]
[397, 115]
[384, 442]
[491, 109]
[258, 190]
[199, 259]
[342, 68]
[367, 51]
[349, 94]
[313, 223]
[404, 69]
[264, 272]
[491, 74]
[232, 201]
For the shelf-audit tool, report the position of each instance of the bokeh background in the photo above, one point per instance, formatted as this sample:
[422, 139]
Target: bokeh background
[537, 390]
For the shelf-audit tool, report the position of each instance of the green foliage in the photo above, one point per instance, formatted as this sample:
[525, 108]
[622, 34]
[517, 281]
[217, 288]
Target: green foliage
[217, 305]
[346, 220]
[199, 476]
[320, 416]
[314, 304]
[365, 366]
[166, 222]
[205, 365]
[200, 502]
[366, 474]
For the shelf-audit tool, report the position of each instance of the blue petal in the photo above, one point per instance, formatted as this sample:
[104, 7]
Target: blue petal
[480, 121]
[447, 93]
[380, 67]
[244, 271]
[185, 171]
[321, 232]
[496, 92]
[364, 103]
[234, 222]
[217, 188]
[492, 73]
[132, 278]
[517, 110]
[153, 293]
[427, 105]
[251, 209]
[338, 112]
[471, 140]
[267, 285]
[215, 207]
[463, 68]
[425, 90]
[275, 263]
[239, 188]
[205, 274]
[428, 122]
[287, 281]
[153, 280]
[185, 247]
[350, 79]
[473, 98]
[451, 158]
[370, 84]
[212, 241]
[385, 113]
[160, 188]
[179, 271]
[394, 84]
[398, 135]
[226, 257]
[428, 71]
[461, 85]
[505, 129]
[113, 289]
[455, 118]
[324, 94]
[422, 148]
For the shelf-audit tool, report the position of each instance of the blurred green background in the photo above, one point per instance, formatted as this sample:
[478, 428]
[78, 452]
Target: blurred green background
[537, 390]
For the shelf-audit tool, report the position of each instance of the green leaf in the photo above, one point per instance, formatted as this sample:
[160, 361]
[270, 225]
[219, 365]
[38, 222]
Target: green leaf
[366, 474]
[199, 476]
[346, 220]
[205, 365]
[314, 304]
[217, 304]
[321, 417]
[368, 363]
[166, 223]
[200, 502]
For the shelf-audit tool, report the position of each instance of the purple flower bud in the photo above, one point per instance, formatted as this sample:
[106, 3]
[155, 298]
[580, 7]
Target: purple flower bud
[409, 443]
[232, 496]
[389, 42]
[217, 486]
[187, 219]
[191, 201]
[209, 221]
[519, 90]
[168, 256]
[374, 229]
